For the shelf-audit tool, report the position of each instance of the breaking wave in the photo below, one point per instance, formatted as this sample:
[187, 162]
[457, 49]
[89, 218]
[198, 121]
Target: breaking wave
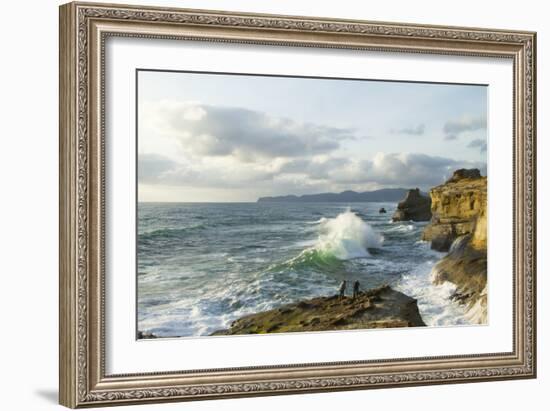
[347, 236]
[341, 238]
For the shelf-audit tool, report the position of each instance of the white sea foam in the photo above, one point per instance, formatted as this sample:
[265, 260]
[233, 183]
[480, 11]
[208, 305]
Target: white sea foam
[300, 259]
[434, 301]
[477, 314]
[402, 228]
[304, 243]
[319, 221]
[347, 236]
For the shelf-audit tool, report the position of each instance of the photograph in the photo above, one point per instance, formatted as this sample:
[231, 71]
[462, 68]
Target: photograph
[280, 204]
[259, 201]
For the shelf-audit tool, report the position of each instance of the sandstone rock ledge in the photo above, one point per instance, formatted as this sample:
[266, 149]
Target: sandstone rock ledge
[458, 208]
[381, 307]
[459, 225]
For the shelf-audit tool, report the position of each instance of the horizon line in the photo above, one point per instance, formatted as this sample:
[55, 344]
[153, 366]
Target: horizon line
[291, 195]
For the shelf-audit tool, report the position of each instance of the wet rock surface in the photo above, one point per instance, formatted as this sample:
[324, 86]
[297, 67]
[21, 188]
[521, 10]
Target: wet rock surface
[381, 307]
[466, 267]
[459, 226]
[145, 335]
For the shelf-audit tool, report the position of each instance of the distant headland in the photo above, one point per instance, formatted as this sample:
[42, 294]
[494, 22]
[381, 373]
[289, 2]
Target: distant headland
[382, 195]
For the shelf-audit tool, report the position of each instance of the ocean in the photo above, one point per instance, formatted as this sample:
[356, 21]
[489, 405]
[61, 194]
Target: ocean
[200, 266]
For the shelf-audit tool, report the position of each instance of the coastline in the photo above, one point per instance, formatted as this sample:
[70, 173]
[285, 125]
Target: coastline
[457, 214]
[381, 307]
[457, 227]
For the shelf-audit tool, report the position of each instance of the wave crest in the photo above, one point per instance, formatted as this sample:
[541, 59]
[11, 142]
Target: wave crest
[347, 236]
[312, 258]
[343, 237]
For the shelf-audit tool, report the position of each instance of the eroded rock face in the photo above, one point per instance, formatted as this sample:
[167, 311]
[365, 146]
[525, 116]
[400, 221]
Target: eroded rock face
[466, 267]
[381, 307]
[459, 225]
[414, 206]
[458, 208]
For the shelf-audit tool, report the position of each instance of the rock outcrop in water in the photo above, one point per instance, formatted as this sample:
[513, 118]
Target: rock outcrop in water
[414, 206]
[459, 225]
[381, 307]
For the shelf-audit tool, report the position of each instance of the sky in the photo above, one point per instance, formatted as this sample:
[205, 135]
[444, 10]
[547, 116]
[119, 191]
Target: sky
[206, 137]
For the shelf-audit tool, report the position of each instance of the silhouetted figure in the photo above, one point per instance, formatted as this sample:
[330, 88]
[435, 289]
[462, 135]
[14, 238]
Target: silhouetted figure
[382, 210]
[342, 289]
[355, 289]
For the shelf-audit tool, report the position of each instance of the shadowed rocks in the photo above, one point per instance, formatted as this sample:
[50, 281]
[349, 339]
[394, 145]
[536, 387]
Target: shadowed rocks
[145, 335]
[459, 226]
[414, 206]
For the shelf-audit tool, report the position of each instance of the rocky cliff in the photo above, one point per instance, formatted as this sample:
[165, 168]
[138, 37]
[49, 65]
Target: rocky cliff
[381, 307]
[459, 225]
[458, 208]
[466, 267]
[414, 206]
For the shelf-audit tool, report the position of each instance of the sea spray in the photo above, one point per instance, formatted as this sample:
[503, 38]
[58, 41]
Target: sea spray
[344, 237]
[248, 258]
[347, 236]
[434, 301]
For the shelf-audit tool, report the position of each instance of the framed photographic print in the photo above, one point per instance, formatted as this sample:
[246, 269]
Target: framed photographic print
[259, 204]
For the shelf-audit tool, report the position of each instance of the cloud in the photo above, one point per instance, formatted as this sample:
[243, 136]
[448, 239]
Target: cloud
[305, 175]
[413, 131]
[214, 147]
[225, 173]
[465, 124]
[384, 170]
[316, 168]
[454, 128]
[478, 143]
[414, 169]
[205, 130]
[154, 168]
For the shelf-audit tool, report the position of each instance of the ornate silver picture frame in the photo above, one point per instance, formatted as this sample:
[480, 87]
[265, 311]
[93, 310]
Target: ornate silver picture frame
[84, 30]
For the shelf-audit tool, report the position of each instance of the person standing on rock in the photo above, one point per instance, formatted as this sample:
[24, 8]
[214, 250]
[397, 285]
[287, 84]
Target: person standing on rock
[342, 289]
[355, 288]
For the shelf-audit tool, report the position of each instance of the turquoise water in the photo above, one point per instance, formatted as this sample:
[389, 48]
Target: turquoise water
[201, 266]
